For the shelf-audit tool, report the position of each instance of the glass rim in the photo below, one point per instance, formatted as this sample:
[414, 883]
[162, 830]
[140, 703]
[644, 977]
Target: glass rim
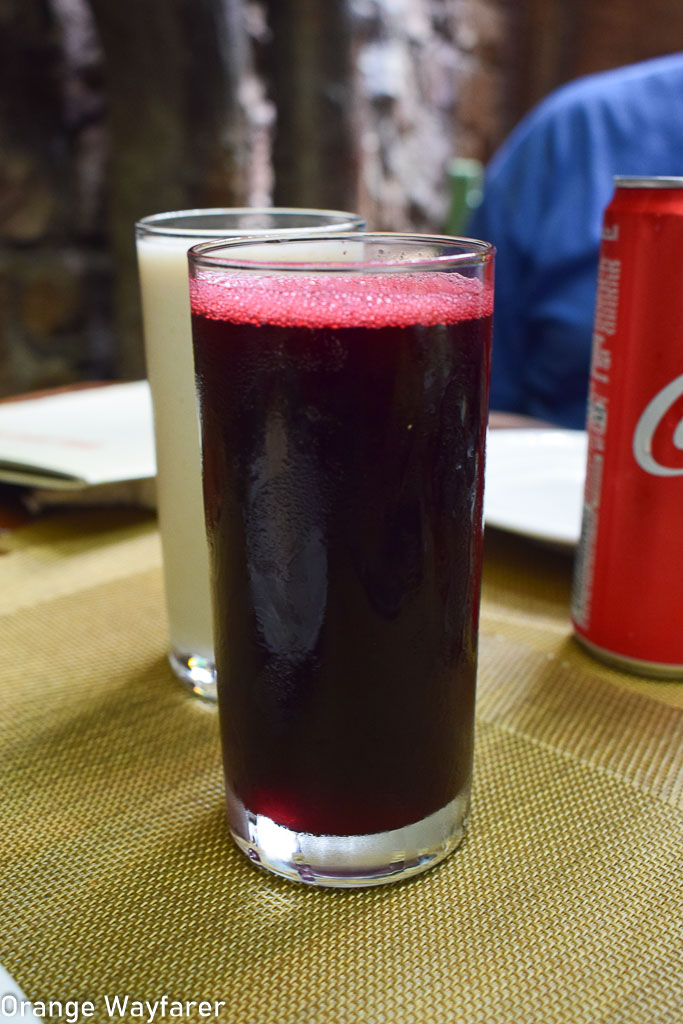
[204, 254]
[161, 223]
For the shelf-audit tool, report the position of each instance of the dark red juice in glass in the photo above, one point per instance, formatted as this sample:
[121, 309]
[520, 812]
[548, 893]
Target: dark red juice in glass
[343, 445]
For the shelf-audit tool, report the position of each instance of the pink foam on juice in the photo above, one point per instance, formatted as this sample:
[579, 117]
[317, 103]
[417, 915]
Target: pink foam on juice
[324, 301]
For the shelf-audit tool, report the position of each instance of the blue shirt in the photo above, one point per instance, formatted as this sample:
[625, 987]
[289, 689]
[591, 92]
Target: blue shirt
[544, 197]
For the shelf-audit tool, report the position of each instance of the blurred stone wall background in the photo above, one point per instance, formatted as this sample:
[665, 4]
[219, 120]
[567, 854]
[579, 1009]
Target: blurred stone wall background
[113, 109]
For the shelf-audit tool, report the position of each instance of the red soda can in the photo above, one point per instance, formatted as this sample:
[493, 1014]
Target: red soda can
[627, 602]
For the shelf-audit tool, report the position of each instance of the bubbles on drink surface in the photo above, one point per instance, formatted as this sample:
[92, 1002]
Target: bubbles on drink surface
[362, 300]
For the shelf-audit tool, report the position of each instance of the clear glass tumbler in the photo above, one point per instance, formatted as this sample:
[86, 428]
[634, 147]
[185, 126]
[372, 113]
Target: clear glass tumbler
[343, 402]
[162, 244]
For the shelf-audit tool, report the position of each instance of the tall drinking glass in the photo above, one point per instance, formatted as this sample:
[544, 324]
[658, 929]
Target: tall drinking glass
[343, 403]
[162, 244]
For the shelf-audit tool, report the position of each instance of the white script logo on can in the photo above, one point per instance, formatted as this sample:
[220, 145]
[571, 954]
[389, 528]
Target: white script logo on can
[653, 416]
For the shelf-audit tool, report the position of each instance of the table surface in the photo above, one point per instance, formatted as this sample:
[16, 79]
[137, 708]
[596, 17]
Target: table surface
[118, 877]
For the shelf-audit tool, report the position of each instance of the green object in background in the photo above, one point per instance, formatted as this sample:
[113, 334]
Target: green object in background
[466, 179]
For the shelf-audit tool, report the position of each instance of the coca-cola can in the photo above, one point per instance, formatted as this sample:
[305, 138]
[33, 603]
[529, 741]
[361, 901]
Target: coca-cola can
[627, 602]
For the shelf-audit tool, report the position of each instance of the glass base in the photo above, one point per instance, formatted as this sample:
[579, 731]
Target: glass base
[349, 861]
[198, 674]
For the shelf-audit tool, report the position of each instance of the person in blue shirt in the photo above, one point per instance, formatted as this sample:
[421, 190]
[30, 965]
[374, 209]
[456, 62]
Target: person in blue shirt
[544, 196]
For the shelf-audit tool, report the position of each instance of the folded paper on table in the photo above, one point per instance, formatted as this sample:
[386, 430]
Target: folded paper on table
[73, 440]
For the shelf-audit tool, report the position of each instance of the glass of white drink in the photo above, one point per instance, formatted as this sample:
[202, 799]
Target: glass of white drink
[162, 243]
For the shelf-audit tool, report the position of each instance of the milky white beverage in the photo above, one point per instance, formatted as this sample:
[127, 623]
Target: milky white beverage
[162, 244]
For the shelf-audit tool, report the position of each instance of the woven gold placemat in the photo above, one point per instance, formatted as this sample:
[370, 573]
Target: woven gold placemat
[118, 877]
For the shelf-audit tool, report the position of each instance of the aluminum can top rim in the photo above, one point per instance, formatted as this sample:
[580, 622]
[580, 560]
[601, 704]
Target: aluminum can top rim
[632, 181]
